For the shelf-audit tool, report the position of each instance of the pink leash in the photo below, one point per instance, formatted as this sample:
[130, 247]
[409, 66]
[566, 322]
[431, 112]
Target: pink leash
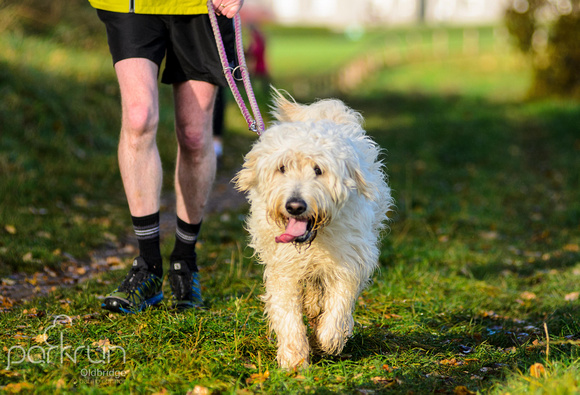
[255, 125]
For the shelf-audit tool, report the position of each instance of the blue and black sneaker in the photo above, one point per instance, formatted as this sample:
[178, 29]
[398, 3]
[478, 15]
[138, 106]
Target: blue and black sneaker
[139, 289]
[184, 286]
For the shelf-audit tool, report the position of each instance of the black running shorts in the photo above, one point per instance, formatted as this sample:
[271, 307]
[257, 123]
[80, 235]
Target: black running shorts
[186, 41]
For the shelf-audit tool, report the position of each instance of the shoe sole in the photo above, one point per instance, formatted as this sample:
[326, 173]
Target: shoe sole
[118, 308]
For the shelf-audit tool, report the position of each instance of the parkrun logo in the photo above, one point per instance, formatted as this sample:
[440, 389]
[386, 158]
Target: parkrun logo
[49, 353]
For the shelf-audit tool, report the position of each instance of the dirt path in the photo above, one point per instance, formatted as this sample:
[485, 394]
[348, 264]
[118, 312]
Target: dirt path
[20, 287]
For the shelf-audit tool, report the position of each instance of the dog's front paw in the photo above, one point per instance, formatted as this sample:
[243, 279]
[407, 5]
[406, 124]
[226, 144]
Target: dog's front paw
[293, 358]
[331, 341]
[332, 336]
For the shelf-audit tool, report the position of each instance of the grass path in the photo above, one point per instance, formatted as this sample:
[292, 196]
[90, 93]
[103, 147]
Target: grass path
[478, 283]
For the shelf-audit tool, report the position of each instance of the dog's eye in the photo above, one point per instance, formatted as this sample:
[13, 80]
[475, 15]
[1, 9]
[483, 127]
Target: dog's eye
[282, 169]
[317, 170]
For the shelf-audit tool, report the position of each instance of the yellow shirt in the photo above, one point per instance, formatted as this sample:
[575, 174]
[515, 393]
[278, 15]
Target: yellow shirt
[161, 7]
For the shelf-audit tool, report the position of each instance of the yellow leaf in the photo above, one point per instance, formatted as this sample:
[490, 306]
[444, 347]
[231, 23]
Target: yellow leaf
[462, 390]
[32, 281]
[27, 257]
[5, 302]
[10, 229]
[80, 201]
[383, 381]
[537, 370]
[8, 373]
[15, 388]
[571, 248]
[113, 260]
[81, 270]
[390, 316]
[41, 338]
[258, 377]
[572, 296]
[60, 383]
[528, 295]
[104, 344]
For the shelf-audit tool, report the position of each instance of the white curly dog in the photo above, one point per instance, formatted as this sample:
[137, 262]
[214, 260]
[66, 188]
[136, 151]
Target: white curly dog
[319, 201]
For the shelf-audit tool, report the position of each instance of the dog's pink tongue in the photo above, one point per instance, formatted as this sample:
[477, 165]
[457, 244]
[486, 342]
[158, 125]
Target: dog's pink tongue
[294, 229]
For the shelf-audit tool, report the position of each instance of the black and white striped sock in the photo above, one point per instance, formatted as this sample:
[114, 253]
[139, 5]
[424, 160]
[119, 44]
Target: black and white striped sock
[147, 232]
[185, 239]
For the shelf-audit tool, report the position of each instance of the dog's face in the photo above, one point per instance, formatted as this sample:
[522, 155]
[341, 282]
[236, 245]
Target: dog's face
[304, 173]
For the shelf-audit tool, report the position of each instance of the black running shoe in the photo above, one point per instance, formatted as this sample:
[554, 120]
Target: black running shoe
[139, 289]
[184, 286]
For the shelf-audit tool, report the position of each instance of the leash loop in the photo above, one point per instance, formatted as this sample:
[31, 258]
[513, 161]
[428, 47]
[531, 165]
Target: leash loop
[255, 123]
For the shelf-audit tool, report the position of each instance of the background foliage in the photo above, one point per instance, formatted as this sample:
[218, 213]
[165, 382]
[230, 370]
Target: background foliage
[477, 290]
[547, 31]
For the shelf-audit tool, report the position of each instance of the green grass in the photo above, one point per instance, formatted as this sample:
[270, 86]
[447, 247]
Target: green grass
[311, 51]
[482, 256]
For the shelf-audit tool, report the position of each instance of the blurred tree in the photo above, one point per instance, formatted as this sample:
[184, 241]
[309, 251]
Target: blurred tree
[70, 22]
[548, 31]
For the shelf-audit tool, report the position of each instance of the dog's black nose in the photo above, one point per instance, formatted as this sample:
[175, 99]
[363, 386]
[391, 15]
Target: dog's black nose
[295, 206]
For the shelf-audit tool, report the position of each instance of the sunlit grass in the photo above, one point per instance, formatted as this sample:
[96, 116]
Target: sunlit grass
[478, 274]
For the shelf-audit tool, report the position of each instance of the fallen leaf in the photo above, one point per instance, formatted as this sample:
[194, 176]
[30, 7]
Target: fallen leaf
[44, 234]
[258, 377]
[385, 382]
[571, 248]
[41, 338]
[8, 373]
[462, 390]
[104, 345]
[27, 257]
[60, 383]
[491, 235]
[5, 302]
[199, 390]
[113, 260]
[451, 362]
[392, 316]
[10, 229]
[528, 295]
[80, 201]
[537, 370]
[15, 388]
[572, 296]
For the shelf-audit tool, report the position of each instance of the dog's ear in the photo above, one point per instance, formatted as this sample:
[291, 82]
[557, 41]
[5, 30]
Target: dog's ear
[246, 178]
[362, 185]
[284, 109]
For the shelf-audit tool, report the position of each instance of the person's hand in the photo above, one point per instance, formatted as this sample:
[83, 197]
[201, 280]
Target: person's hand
[227, 8]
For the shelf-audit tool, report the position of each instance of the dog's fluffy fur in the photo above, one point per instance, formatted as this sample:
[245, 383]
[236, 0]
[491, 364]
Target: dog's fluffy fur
[314, 171]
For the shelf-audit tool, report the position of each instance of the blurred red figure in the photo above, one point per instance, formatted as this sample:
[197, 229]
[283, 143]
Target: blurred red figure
[256, 54]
